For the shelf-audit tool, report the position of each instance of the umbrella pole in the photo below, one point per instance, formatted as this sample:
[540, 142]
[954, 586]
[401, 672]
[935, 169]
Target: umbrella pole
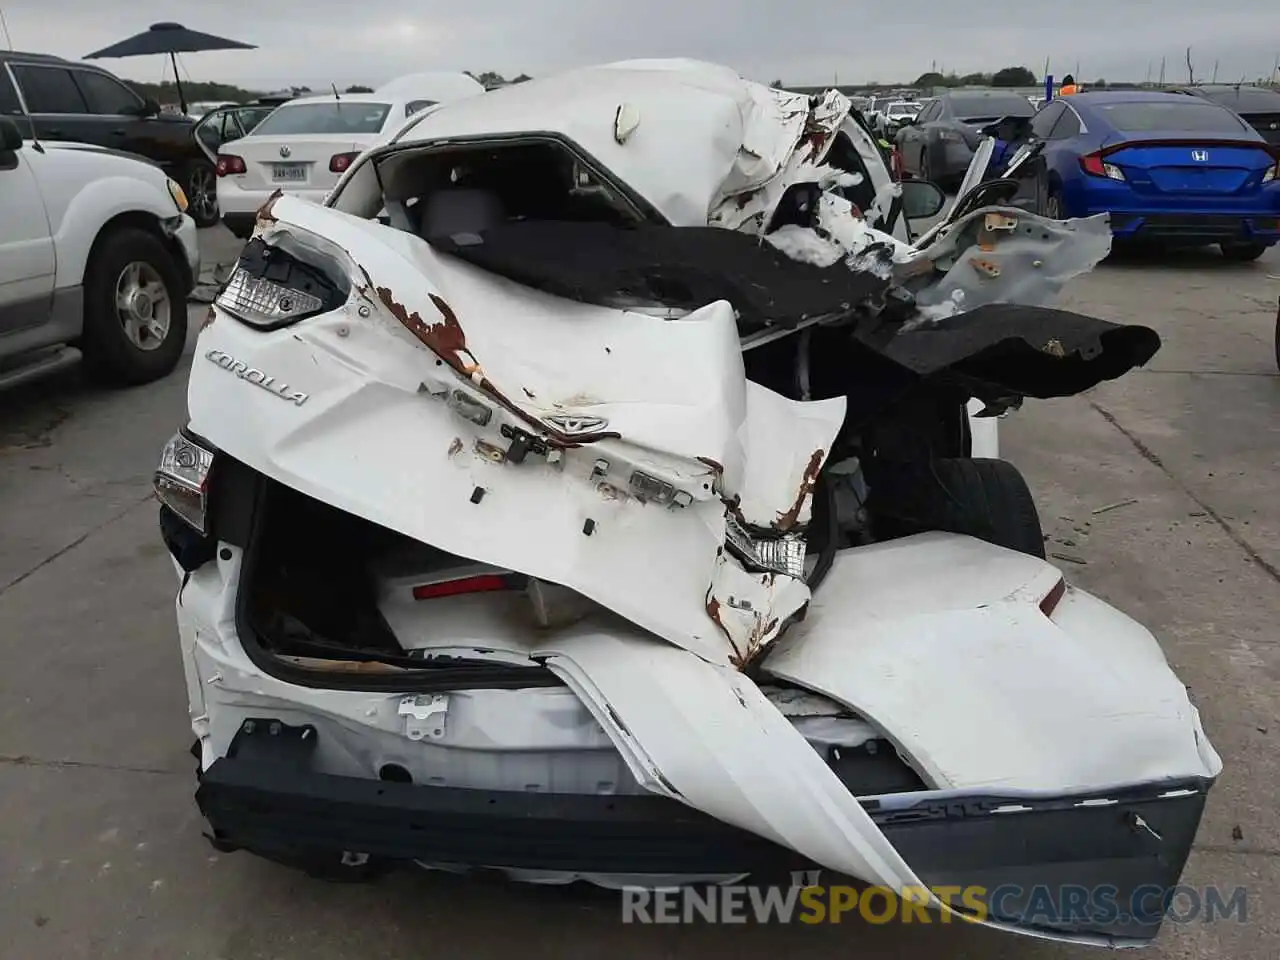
[177, 80]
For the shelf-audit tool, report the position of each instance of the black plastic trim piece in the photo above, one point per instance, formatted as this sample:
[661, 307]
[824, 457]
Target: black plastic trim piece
[265, 797]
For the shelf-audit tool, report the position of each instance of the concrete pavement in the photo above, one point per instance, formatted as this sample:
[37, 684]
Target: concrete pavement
[100, 848]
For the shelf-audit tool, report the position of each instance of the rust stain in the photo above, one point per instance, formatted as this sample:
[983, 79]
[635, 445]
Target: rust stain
[756, 641]
[985, 266]
[266, 213]
[488, 451]
[209, 316]
[446, 339]
[733, 506]
[713, 611]
[787, 520]
[713, 464]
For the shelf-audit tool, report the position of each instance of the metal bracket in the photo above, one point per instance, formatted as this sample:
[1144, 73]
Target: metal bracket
[424, 715]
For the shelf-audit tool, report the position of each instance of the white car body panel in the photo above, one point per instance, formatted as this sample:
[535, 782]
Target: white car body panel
[1082, 701]
[27, 257]
[755, 130]
[83, 187]
[441, 86]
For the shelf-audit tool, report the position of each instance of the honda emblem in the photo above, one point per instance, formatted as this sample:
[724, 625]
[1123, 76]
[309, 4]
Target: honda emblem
[1200, 156]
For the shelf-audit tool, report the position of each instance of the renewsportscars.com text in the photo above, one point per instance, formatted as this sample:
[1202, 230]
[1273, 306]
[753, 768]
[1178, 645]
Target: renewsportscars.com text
[879, 905]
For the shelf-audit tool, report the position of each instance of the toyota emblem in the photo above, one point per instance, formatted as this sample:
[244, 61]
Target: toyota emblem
[285, 151]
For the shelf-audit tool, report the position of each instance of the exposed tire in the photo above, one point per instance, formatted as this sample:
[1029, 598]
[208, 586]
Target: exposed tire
[135, 309]
[201, 185]
[1243, 252]
[985, 499]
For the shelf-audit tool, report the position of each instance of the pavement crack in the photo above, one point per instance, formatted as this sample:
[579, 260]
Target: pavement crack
[1213, 373]
[1237, 850]
[62, 551]
[1151, 457]
[21, 760]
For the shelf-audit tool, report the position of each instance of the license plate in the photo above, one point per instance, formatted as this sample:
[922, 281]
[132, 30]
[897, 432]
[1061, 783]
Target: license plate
[289, 172]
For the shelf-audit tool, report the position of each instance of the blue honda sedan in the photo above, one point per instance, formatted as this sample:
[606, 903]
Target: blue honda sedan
[1168, 168]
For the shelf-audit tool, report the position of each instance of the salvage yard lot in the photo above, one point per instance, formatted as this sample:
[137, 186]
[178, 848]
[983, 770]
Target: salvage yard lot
[100, 843]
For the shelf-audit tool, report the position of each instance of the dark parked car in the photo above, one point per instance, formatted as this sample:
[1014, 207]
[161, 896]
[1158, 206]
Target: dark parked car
[1259, 106]
[65, 100]
[938, 145]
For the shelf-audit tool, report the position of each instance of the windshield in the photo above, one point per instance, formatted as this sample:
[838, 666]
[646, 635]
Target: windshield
[1183, 116]
[337, 116]
[968, 109]
[904, 109]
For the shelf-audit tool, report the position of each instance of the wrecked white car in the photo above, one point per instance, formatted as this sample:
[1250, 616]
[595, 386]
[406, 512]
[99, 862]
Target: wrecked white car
[586, 491]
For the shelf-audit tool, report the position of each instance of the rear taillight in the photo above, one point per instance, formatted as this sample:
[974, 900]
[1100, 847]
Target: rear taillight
[339, 162]
[229, 163]
[1095, 166]
[482, 583]
[182, 480]
[895, 164]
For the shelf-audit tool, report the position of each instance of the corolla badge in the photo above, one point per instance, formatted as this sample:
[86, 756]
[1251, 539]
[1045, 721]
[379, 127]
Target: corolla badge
[256, 377]
[285, 151]
[1200, 156]
[576, 426]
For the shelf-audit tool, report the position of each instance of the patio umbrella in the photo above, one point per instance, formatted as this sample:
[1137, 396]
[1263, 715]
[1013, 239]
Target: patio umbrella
[170, 38]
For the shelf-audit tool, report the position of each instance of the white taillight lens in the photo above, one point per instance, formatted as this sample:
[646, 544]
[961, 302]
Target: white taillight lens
[182, 480]
[263, 302]
[785, 555]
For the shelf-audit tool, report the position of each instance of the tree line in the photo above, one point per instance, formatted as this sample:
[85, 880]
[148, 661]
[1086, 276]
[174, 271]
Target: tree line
[197, 91]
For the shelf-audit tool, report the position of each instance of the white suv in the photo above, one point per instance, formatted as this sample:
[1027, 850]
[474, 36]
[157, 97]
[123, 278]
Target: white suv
[97, 256]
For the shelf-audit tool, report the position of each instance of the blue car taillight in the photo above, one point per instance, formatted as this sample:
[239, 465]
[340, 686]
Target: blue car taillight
[1095, 166]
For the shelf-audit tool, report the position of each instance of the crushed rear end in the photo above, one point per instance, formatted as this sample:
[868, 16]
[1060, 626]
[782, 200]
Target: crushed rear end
[492, 561]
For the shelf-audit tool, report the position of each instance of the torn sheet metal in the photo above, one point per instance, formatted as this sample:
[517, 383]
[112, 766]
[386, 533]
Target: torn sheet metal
[1083, 698]
[786, 444]
[752, 609]
[586, 446]
[1007, 255]
[708, 736]
[704, 133]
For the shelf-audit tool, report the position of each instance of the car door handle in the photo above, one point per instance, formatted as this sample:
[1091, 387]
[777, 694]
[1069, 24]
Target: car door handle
[53, 132]
[118, 133]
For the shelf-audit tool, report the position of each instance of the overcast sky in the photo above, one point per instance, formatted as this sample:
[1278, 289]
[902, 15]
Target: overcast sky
[316, 42]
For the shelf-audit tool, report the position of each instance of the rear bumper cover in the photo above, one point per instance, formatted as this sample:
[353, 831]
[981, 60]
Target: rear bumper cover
[1089, 868]
[1197, 226]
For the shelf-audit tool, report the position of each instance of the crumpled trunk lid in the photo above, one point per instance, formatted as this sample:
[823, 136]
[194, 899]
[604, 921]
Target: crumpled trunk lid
[586, 446]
